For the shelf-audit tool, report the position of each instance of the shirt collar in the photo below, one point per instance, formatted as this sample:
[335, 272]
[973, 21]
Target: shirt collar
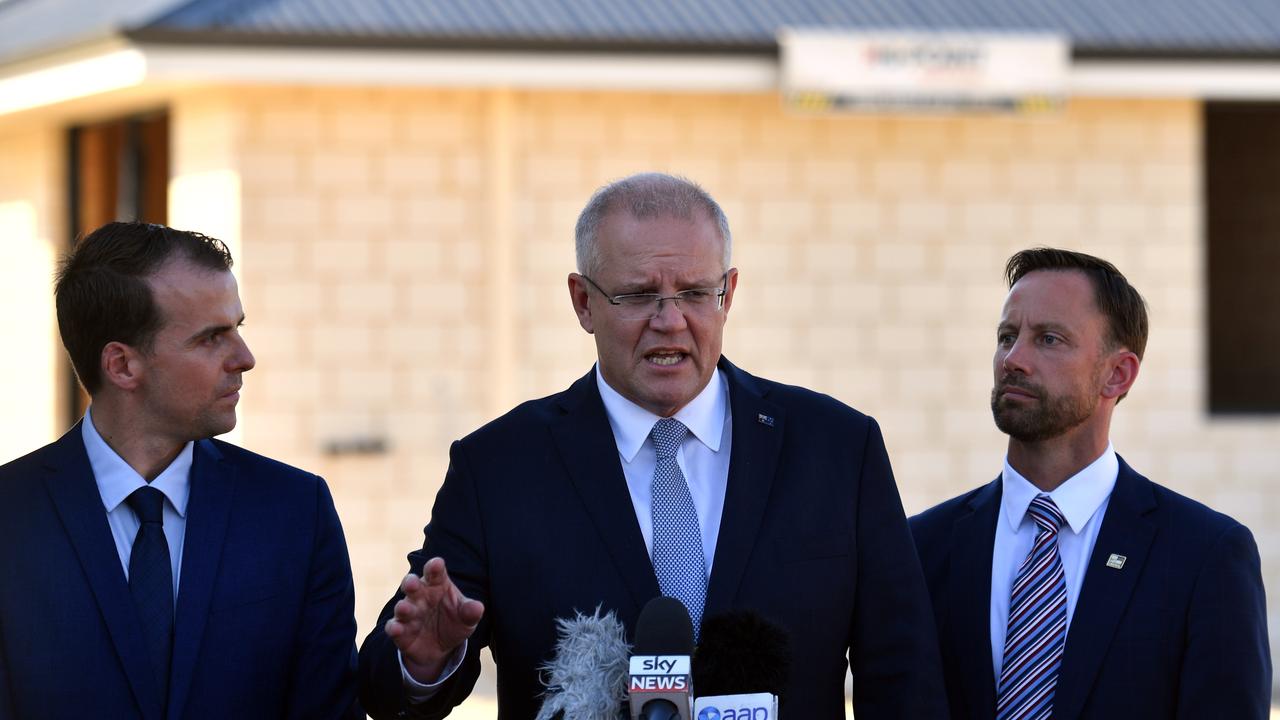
[117, 480]
[1078, 498]
[703, 415]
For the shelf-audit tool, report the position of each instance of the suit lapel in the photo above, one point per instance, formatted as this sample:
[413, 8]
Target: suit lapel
[587, 447]
[1105, 593]
[758, 429]
[589, 451]
[70, 482]
[212, 485]
[968, 598]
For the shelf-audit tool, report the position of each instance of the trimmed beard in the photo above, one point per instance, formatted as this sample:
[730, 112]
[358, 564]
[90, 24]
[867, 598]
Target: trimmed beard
[1047, 418]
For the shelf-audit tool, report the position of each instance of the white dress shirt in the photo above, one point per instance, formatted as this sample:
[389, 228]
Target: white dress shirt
[1083, 501]
[117, 480]
[703, 458]
[703, 455]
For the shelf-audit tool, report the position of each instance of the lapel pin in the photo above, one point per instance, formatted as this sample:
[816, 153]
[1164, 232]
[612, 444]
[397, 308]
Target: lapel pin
[764, 419]
[1116, 561]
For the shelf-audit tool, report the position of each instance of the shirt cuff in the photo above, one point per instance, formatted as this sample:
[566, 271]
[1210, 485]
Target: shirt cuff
[422, 692]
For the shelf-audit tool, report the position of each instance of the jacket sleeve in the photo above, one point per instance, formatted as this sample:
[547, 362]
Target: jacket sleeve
[893, 646]
[454, 534]
[323, 683]
[1226, 670]
[6, 701]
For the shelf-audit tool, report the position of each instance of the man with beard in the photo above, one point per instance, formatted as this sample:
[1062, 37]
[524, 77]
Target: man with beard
[1072, 587]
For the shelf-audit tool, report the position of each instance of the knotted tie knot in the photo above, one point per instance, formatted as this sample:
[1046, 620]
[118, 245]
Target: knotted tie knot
[1046, 514]
[148, 503]
[667, 435]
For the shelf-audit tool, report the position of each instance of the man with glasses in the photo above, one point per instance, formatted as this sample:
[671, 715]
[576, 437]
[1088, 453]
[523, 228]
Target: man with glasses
[664, 470]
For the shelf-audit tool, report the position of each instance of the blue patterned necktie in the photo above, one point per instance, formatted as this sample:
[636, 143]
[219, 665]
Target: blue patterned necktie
[677, 538]
[151, 581]
[1037, 631]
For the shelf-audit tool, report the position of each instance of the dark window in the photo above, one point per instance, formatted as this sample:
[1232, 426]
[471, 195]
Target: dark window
[1242, 199]
[117, 170]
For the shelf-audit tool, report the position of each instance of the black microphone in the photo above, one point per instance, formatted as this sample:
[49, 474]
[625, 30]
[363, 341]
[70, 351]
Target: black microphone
[660, 687]
[741, 667]
[587, 678]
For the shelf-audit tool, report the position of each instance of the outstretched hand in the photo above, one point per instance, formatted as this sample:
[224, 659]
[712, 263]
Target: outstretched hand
[431, 621]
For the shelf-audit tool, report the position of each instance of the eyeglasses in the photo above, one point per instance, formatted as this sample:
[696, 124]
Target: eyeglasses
[646, 306]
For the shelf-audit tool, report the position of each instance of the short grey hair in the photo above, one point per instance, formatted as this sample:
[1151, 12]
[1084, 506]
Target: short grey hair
[646, 196]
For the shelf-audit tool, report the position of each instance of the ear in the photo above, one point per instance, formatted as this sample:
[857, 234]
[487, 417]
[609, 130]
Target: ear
[732, 281]
[579, 294]
[1122, 372]
[122, 366]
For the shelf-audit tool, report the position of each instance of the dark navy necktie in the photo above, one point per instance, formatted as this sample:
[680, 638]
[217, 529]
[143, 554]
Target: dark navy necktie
[151, 581]
[677, 537]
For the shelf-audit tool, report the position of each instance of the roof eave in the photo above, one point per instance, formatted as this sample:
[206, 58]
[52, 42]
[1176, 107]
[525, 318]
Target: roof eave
[1174, 54]
[746, 47]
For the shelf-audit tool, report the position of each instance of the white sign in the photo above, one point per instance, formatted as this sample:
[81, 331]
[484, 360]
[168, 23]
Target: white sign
[660, 664]
[826, 70]
[754, 706]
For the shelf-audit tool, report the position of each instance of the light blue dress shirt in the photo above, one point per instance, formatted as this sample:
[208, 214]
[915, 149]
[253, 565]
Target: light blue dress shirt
[117, 480]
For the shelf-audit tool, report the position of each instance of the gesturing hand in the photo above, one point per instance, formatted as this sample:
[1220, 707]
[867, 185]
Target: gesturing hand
[431, 621]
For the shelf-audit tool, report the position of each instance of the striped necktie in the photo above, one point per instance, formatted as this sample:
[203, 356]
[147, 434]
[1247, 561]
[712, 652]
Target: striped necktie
[678, 561]
[1037, 629]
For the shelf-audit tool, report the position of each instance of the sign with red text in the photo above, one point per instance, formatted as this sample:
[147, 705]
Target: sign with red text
[930, 72]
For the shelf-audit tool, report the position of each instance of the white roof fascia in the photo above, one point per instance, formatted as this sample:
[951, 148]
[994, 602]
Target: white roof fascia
[83, 71]
[1207, 79]
[438, 68]
[1202, 79]
[115, 64]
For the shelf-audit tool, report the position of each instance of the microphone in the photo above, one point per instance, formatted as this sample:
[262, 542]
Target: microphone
[741, 668]
[587, 678]
[660, 685]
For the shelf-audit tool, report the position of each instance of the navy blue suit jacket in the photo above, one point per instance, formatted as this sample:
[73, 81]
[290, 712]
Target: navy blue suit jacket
[535, 520]
[1179, 631]
[264, 626]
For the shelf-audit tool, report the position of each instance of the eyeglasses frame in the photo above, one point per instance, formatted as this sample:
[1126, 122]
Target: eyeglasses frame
[658, 298]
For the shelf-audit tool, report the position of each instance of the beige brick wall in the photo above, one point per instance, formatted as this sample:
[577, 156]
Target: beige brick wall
[364, 277]
[32, 234]
[382, 227]
[403, 254]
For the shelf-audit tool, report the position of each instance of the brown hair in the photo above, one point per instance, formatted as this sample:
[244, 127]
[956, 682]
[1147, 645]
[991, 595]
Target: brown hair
[1119, 302]
[101, 289]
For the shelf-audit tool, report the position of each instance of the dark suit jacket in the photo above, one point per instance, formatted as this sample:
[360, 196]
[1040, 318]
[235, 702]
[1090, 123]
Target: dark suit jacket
[265, 623]
[534, 519]
[1179, 632]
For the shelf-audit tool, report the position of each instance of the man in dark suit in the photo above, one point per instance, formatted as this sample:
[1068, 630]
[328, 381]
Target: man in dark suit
[664, 470]
[1072, 587]
[150, 571]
